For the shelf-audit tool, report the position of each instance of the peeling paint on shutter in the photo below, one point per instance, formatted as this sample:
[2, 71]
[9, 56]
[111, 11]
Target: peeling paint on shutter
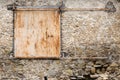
[37, 34]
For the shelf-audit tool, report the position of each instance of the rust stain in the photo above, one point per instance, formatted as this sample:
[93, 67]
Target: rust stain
[19, 18]
[36, 45]
[43, 41]
[57, 43]
[46, 34]
[41, 23]
[25, 53]
[28, 42]
[50, 36]
[56, 18]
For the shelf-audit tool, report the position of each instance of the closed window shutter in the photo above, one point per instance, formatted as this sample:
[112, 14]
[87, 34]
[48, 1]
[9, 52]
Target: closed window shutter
[36, 33]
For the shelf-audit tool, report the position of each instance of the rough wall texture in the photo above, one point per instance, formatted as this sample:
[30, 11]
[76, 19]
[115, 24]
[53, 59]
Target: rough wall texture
[83, 34]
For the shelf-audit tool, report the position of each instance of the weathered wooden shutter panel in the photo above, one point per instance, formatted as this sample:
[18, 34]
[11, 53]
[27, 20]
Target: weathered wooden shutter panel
[37, 34]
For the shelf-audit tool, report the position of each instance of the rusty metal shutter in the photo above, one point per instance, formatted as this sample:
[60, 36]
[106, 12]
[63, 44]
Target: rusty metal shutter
[36, 33]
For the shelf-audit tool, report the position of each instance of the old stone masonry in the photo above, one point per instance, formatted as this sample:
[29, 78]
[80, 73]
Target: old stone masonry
[90, 42]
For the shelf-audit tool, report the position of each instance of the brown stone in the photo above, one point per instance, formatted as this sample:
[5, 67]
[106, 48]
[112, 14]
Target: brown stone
[114, 64]
[93, 70]
[109, 69]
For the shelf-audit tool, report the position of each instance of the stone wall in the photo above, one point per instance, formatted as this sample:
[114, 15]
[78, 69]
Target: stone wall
[83, 34]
